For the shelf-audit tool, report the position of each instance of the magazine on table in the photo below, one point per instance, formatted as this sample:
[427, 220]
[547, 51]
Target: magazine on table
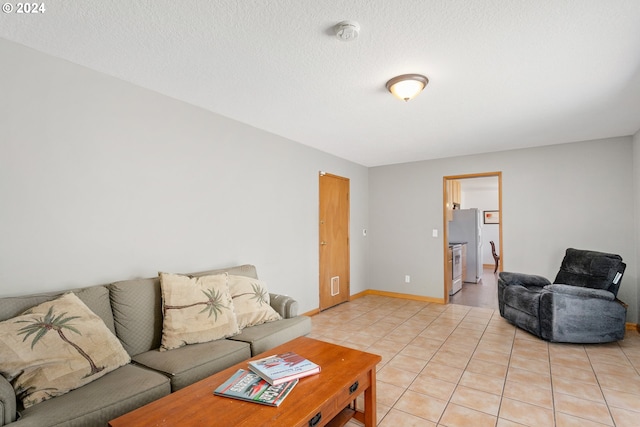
[246, 385]
[283, 367]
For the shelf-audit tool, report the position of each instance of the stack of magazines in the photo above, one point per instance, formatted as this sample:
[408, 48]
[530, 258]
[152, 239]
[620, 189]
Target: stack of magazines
[269, 380]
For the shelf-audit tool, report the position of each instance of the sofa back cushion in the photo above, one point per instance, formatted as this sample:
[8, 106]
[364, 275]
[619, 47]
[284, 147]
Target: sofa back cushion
[137, 308]
[247, 270]
[591, 269]
[137, 313]
[94, 297]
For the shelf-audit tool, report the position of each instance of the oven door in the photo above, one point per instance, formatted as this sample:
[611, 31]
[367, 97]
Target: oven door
[456, 270]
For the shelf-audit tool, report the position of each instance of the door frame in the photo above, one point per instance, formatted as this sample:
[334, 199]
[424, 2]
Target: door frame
[445, 225]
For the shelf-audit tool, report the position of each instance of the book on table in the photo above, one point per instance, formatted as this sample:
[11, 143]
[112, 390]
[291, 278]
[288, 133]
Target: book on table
[283, 367]
[248, 386]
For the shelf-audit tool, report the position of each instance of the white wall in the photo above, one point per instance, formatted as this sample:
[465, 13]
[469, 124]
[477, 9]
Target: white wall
[570, 195]
[484, 200]
[101, 180]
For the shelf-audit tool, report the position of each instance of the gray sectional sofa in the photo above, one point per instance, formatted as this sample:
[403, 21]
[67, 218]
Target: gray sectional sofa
[132, 310]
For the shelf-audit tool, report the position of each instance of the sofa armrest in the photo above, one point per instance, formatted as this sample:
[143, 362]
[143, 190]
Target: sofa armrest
[579, 291]
[526, 280]
[286, 306]
[7, 402]
[580, 315]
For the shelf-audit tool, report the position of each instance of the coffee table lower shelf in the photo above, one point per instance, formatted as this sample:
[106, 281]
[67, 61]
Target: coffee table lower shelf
[342, 418]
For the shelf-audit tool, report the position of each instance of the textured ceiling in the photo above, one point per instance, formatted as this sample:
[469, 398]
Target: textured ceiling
[503, 74]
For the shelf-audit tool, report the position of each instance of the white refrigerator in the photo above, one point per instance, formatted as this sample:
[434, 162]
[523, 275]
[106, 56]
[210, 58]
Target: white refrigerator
[467, 227]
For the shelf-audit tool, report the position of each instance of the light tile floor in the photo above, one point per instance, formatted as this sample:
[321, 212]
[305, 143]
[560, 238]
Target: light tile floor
[455, 365]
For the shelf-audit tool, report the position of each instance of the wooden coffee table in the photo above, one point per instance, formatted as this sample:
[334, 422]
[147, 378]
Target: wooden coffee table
[325, 399]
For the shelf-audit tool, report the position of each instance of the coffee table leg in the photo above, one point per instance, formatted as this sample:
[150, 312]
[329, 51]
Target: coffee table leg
[370, 401]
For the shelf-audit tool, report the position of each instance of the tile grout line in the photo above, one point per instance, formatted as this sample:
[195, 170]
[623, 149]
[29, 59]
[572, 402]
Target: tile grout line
[458, 382]
[553, 393]
[604, 396]
[504, 385]
[465, 369]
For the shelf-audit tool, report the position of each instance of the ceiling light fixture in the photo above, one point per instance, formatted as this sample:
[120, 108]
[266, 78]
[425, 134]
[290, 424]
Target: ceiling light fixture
[407, 86]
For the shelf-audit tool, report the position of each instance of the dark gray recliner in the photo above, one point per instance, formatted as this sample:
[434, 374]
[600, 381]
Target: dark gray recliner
[581, 305]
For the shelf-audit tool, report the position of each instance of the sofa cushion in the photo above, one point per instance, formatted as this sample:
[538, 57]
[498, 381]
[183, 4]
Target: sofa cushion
[195, 309]
[246, 270]
[589, 269]
[137, 308]
[191, 363]
[118, 392]
[268, 335]
[251, 301]
[56, 347]
[137, 313]
[95, 297]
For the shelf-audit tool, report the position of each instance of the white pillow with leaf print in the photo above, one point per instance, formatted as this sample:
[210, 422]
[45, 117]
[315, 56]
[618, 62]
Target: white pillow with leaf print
[195, 309]
[55, 347]
[251, 301]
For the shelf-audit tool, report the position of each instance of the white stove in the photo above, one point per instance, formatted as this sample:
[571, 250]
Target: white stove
[456, 270]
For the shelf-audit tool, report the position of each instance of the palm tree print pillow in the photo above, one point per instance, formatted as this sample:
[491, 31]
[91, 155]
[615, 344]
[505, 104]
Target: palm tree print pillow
[195, 310]
[251, 301]
[56, 347]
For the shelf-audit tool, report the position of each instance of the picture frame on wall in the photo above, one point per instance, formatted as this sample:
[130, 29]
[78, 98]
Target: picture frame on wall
[491, 217]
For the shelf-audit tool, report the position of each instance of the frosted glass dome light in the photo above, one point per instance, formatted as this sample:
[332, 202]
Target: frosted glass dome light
[407, 86]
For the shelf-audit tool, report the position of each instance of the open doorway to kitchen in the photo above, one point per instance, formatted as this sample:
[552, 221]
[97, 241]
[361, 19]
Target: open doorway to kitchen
[472, 212]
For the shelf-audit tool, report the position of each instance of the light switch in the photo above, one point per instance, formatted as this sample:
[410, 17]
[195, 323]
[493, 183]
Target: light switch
[434, 233]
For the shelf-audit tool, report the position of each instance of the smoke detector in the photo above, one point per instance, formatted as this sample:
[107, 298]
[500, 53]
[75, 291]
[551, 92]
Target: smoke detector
[347, 30]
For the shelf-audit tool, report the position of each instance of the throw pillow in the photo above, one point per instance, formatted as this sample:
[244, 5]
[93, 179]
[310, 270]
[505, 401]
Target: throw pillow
[251, 301]
[55, 347]
[195, 309]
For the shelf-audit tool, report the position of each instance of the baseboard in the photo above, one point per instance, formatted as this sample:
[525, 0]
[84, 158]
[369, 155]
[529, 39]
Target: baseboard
[398, 295]
[632, 327]
[311, 313]
[359, 294]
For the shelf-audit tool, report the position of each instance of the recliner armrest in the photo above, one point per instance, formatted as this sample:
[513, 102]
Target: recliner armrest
[286, 306]
[580, 291]
[521, 279]
[8, 409]
[577, 314]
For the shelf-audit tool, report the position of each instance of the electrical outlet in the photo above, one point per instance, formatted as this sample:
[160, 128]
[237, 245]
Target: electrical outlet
[407, 279]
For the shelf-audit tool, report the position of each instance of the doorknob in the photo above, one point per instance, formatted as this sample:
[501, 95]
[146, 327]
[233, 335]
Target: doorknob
[323, 243]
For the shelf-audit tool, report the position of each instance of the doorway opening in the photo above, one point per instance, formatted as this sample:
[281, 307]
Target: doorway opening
[482, 192]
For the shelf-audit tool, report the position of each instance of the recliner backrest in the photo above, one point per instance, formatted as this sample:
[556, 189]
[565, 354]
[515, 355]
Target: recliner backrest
[591, 269]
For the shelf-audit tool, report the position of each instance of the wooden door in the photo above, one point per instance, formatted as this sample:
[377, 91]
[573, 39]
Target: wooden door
[334, 240]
